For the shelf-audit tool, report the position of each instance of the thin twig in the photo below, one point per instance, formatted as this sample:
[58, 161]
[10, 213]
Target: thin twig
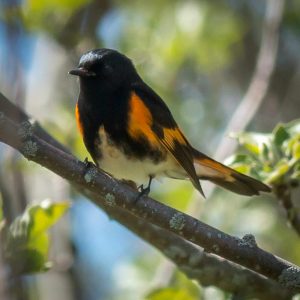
[206, 268]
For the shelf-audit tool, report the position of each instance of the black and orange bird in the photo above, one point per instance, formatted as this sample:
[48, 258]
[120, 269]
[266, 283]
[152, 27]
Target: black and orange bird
[131, 134]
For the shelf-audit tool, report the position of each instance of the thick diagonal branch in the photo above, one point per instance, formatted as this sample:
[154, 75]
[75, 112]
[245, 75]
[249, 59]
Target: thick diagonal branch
[207, 269]
[112, 193]
[193, 261]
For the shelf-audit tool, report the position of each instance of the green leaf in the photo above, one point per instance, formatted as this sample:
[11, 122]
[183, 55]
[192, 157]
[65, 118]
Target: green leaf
[296, 150]
[44, 215]
[280, 170]
[271, 157]
[280, 134]
[27, 241]
[237, 158]
[171, 293]
[293, 127]
[296, 175]
[180, 288]
[240, 162]
[265, 152]
[254, 142]
[242, 168]
[289, 144]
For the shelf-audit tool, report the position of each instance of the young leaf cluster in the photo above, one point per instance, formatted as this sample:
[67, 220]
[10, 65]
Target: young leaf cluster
[273, 158]
[26, 240]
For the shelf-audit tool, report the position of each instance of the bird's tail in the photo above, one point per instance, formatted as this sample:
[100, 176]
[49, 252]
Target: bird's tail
[209, 169]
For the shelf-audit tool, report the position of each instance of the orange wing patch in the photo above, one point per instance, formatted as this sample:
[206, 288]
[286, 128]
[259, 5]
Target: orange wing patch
[78, 121]
[140, 124]
[140, 120]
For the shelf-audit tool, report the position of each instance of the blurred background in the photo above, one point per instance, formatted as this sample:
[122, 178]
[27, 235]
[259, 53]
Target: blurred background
[204, 58]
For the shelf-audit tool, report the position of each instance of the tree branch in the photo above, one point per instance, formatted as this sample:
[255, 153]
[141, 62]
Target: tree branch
[207, 269]
[112, 193]
[18, 116]
[194, 262]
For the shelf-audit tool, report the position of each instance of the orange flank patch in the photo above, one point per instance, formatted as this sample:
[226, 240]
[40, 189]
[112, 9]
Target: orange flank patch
[140, 120]
[78, 121]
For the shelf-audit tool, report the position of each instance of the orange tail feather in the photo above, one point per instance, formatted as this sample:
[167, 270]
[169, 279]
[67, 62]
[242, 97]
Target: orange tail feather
[209, 169]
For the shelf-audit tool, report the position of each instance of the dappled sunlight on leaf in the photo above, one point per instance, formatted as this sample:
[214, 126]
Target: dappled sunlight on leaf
[172, 39]
[27, 241]
[171, 293]
[254, 142]
[175, 193]
[181, 288]
[36, 14]
[274, 158]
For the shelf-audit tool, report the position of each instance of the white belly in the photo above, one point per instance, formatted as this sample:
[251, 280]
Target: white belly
[120, 166]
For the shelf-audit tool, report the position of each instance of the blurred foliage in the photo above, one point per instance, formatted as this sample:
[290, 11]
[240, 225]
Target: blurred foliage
[36, 15]
[185, 33]
[178, 196]
[292, 16]
[199, 56]
[273, 158]
[41, 6]
[1, 210]
[26, 241]
[181, 288]
[171, 293]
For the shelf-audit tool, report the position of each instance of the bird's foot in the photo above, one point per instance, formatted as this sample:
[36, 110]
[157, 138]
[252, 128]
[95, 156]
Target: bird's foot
[88, 164]
[144, 191]
[89, 169]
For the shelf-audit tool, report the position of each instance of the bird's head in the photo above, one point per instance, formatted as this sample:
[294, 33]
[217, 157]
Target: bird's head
[105, 67]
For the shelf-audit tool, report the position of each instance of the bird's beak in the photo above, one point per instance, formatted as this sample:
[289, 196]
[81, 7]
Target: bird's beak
[81, 72]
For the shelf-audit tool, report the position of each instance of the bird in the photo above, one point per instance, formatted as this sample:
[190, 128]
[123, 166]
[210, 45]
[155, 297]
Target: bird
[131, 134]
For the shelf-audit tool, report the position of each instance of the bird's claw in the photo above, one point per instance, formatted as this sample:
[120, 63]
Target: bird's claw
[144, 191]
[88, 164]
